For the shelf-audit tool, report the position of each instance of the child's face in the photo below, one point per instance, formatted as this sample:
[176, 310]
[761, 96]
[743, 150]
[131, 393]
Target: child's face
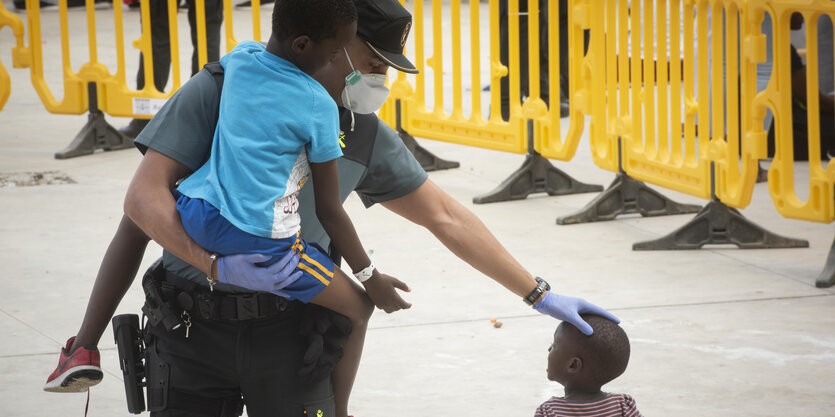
[559, 355]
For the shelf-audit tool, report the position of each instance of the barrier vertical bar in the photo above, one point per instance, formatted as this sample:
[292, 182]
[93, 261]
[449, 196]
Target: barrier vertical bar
[497, 70]
[515, 105]
[455, 22]
[91, 30]
[676, 125]
[420, 62]
[173, 33]
[256, 20]
[200, 17]
[119, 34]
[661, 146]
[228, 23]
[436, 61]
[690, 103]
[475, 65]
[812, 89]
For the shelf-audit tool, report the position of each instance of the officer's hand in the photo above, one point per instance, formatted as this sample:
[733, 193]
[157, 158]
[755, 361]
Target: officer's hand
[381, 290]
[565, 308]
[243, 270]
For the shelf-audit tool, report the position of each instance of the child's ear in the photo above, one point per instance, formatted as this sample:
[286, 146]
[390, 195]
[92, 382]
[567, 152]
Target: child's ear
[575, 364]
[301, 43]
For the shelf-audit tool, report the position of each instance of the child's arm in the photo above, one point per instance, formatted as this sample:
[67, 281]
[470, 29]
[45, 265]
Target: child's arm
[341, 230]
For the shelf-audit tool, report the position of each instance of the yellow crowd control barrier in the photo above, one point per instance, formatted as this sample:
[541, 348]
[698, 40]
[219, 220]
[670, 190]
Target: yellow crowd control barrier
[432, 120]
[820, 204]
[549, 140]
[642, 91]
[675, 81]
[458, 55]
[18, 52]
[114, 95]
[669, 86]
[93, 87]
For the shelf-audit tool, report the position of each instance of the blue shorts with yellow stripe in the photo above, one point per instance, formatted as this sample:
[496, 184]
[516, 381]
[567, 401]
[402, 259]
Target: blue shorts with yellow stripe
[204, 223]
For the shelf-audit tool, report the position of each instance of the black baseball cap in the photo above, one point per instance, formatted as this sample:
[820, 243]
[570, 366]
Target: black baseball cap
[384, 25]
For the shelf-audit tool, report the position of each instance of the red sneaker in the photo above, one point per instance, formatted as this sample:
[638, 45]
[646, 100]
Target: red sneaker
[76, 371]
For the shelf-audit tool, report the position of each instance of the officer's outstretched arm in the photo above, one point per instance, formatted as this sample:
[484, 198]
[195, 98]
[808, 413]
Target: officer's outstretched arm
[463, 234]
[468, 238]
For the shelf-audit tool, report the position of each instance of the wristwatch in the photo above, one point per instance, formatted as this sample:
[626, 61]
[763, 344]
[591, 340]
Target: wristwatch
[541, 287]
[366, 273]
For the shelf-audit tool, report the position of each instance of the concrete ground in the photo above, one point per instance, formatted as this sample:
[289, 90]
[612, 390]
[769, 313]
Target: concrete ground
[714, 332]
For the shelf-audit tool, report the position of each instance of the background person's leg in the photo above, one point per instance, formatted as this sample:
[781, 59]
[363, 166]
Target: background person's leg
[504, 53]
[825, 59]
[214, 18]
[161, 53]
[160, 47]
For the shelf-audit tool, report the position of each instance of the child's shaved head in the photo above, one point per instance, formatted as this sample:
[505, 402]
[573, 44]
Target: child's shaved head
[604, 354]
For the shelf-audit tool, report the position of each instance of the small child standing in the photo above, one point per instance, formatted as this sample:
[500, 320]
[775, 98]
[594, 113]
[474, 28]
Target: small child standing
[583, 364]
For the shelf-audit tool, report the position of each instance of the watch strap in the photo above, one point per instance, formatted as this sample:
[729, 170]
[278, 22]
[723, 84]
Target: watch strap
[541, 287]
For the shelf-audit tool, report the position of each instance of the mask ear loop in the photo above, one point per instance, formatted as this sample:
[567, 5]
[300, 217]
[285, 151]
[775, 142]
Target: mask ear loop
[347, 92]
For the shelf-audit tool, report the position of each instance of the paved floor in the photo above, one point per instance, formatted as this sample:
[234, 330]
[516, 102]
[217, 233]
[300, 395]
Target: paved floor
[715, 332]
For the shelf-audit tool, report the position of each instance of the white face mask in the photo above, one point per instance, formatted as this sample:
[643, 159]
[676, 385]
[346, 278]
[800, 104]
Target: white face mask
[363, 93]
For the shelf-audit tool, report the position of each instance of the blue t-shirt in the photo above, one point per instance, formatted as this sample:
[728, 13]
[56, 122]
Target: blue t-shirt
[273, 119]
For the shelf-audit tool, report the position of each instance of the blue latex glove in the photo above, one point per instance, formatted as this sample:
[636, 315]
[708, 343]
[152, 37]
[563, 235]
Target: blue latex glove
[565, 308]
[241, 270]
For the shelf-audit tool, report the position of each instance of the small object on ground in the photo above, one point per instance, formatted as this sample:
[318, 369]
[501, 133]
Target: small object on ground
[27, 179]
[497, 324]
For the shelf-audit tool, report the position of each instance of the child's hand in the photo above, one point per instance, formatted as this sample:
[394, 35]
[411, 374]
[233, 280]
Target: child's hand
[242, 270]
[381, 290]
[565, 308]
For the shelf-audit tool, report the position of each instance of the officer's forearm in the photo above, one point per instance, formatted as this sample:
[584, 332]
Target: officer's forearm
[468, 238]
[150, 204]
[464, 234]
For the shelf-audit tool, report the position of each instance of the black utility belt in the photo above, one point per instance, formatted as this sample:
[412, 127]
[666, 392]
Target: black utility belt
[180, 294]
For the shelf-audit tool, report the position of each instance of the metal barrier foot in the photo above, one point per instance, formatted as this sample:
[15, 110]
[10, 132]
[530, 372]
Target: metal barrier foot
[627, 195]
[96, 134]
[428, 160]
[536, 175]
[827, 277]
[719, 224]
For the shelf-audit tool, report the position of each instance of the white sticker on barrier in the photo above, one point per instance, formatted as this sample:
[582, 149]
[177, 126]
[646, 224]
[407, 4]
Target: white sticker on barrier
[148, 106]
